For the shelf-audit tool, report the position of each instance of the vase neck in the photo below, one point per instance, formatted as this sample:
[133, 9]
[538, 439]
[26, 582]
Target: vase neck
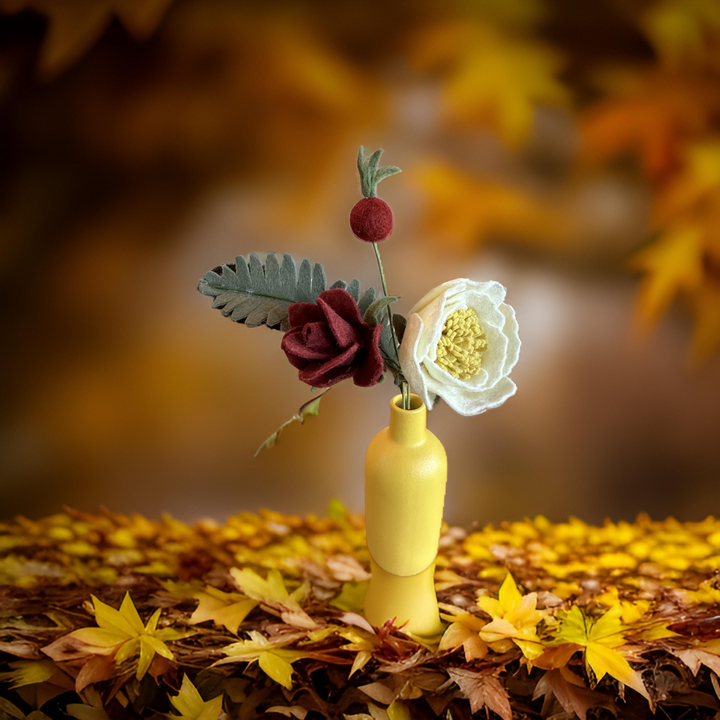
[408, 427]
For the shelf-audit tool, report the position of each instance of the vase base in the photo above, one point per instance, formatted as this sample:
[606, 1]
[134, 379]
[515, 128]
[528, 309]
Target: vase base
[411, 600]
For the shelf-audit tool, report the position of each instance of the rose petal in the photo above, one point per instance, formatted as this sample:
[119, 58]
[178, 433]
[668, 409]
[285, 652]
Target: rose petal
[371, 368]
[318, 337]
[294, 360]
[345, 334]
[344, 305]
[299, 314]
[293, 343]
[322, 374]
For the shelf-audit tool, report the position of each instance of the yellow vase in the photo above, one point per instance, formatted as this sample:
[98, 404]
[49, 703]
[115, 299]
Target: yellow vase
[405, 477]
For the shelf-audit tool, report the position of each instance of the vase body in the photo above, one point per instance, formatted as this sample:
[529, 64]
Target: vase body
[405, 478]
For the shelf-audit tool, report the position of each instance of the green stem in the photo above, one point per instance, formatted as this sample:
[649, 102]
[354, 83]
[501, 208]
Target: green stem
[404, 388]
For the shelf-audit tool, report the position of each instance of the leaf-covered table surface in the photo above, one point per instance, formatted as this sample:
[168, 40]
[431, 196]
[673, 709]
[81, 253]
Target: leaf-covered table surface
[110, 616]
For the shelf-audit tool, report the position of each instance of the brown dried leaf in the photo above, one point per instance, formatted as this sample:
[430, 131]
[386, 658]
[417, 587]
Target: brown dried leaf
[96, 669]
[574, 698]
[483, 690]
[21, 649]
[695, 658]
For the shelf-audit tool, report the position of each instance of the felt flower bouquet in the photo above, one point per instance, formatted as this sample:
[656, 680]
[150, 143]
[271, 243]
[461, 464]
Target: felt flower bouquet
[458, 343]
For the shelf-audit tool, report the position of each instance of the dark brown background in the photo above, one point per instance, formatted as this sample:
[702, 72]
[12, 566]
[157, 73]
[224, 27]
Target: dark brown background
[233, 128]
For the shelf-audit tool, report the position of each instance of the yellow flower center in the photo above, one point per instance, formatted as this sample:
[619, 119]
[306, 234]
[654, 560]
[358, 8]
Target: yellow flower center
[461, 343]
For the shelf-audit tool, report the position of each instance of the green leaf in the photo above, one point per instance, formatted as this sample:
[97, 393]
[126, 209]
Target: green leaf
[256, 293]
[372, 167]
[377, 309]
[400, 325]
[387, 347]
[370, 172]
[387, 171]
[310, 408]
[366, 300]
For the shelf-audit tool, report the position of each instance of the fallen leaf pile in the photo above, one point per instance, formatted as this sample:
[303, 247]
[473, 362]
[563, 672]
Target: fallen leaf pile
[115, 617]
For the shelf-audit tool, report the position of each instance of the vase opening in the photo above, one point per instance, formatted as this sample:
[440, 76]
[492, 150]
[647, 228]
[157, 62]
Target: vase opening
[415, 403]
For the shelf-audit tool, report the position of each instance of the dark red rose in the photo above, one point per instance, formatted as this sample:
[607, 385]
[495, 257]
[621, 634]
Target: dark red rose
[330, 341]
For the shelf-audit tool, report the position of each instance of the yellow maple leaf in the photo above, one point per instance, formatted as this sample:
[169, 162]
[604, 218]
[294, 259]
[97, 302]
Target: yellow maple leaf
[28, 672]
[227, 609]
[272, 593]
[191, 706]
[274, 659]
[121, 633]
[672, 263]
[361, 642]
[687, 256]
[514, 620]
[464, 630]
[491, 77]
[599, 638]
[694, 187]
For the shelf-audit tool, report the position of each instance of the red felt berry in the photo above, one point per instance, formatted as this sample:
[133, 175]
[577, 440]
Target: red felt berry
[372, 220]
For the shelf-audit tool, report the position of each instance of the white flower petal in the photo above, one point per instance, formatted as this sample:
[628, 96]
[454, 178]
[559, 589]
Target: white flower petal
[511, 330]
[494, 290]
[433, 318]
[487, 311]
[493, 359]
[473, 403]
[452, 286]
[445, 378]
[490, 387]
[408, 362]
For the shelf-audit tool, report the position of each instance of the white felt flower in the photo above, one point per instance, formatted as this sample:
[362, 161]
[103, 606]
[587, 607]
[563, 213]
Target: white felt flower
[461, 342]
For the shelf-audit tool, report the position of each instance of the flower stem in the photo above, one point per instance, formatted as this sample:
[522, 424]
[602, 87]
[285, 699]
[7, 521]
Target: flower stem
[404, 388]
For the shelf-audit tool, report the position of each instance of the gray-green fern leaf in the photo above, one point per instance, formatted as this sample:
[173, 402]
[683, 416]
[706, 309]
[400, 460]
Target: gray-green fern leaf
[256, 293]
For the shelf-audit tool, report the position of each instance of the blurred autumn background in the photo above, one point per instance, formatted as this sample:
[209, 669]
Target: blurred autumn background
[569, 150]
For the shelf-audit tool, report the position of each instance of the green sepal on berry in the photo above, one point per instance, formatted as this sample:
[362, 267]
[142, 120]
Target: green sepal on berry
[370, 172]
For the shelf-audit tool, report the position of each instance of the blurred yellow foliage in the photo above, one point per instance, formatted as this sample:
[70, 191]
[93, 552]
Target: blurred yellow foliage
[465, 210]
[684, 32]
[686, 257]
[651, 113]
[490, 78]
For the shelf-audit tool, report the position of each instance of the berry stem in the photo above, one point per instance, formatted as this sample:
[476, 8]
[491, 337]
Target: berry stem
[404, 387]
